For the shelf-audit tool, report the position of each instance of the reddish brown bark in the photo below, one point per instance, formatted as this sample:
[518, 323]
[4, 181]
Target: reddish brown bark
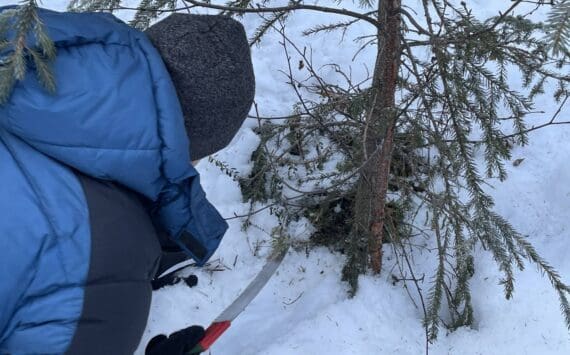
[379, 141]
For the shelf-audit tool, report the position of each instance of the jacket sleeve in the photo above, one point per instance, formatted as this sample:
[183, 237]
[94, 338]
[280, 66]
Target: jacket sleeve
[203, 227]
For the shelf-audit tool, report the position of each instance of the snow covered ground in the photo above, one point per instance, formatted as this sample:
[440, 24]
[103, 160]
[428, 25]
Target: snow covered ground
[305, 310]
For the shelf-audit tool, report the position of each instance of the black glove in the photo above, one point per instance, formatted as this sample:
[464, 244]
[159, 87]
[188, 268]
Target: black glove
[178, 343]
[172, 279]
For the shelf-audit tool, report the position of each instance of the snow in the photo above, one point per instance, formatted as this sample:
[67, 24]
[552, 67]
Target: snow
[304, 309]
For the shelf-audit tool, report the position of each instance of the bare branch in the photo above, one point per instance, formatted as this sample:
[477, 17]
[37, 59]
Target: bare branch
[293, 7]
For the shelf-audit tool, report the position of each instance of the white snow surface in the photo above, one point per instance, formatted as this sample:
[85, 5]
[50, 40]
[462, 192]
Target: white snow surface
[304, 309]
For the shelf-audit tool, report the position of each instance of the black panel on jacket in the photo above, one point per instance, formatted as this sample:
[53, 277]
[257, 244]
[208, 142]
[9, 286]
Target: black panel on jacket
[125, 254]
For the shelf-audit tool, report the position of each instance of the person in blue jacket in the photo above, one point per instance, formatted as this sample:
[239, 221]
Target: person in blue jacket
[98, 195]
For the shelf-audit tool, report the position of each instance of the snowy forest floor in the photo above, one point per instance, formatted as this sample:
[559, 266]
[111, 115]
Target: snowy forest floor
[305, 308]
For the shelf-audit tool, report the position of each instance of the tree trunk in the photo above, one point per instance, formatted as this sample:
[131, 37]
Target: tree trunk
[379, 135]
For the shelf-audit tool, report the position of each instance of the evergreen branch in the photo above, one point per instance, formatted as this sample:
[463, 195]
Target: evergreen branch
[506, 231]
[552, 122]
[93, 5]
[25, 22]
[43, 72]
[465, 269]
[558, 27]
[267, 24]
[561, 288]
[7, 81]
[499, 19]
[366, 3]
[243, 4]
[436, 293]
[329, 27]
[149, 10]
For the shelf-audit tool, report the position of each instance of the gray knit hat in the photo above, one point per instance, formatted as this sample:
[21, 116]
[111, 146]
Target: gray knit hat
[209, 61]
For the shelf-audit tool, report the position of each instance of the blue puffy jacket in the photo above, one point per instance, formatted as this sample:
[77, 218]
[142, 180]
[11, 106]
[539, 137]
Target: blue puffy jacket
[115, 117]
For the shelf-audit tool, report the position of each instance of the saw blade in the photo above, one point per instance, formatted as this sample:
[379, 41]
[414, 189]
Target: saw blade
[224, 320]
[253, 289]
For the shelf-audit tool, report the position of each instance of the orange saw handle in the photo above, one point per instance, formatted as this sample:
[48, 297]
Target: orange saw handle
[214, 331]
